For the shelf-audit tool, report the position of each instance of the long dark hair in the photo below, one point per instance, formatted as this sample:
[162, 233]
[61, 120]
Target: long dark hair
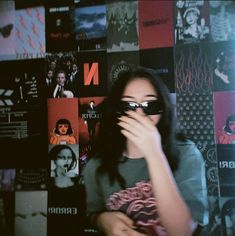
[110, 143]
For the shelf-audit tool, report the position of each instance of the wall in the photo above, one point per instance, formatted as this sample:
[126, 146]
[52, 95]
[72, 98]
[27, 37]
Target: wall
[101, 38]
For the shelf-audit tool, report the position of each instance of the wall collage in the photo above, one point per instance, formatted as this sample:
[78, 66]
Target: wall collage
[58, 60]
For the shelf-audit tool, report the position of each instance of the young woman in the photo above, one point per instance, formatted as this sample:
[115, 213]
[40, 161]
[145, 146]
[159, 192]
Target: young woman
[130, 186]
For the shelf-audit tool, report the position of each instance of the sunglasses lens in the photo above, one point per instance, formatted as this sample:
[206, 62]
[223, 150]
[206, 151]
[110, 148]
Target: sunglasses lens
[153, 108]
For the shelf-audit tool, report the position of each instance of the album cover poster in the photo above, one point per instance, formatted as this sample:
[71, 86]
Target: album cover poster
[191, 21]
[122, 26]
[59, 27]
[64, 165]
[222, 20]
[90, 115]
[90, 27]
[62, 121]
[61, 75]
[31, 179]
[227, 215]
[30, 32]
[224, 117]
[92, 74]
[118, 62]
[162, 61]
[21, 103]
[195, 117]
[193, 72]
[7, 28]
[7, 212]
[226, 166]
[155, 24]
[7, 179]
[66, 211]
[223, 60]
[31, 213]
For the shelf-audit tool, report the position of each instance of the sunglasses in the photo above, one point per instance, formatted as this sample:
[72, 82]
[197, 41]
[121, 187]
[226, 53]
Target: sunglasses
[149, 107]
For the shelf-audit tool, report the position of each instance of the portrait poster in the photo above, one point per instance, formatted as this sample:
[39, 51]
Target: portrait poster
[92, 73]
[155, 24]
[118, 62]
[222, 20]
[63, 161]
[90, 26]
[90, 115]
[192, 69]
[59, 28]
[226, 167]
[191, 21]
[161, 62]
[62, 121]
[224, 117]
[7, 213]
[66, 211]
[223, 65]
[7, 180]
[31, 213]
[7, 28]
[122, 26]
[30, 32]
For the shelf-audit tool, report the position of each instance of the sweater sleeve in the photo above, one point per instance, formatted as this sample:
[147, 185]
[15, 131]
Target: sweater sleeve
[191, 180]
[94, 199]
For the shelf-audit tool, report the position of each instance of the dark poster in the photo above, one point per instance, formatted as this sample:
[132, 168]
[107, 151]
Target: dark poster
[226, 166]
[118, 62]
[7, 208]
[193, 72]
[222, 20]
[224, 117]
[223, 59]
[7, 28]
[61, 79]
[30, 32]
[62, 121]
[90, 27]
[162, 62]
[22, 101]
[31, 213]
[59, 28]
[90, 115]
[122, 26]
[155, 24]
[92, 74]
[191, 21]
[7, 179]
[66, 211]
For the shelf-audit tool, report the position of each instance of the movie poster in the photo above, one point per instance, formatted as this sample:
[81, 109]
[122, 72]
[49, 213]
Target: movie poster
[222, 20]
[62, 121]
[61, 75]
[191, 21]
[192, 69]
[122, 26]
[59, 28]
[7, 28]
[92, 73]
[224, 116]
[31, 213]
[30, 32]
[223, 65]
[90, 115]
[90, 26]
[161, 62]
[155, 24]
[118, 62]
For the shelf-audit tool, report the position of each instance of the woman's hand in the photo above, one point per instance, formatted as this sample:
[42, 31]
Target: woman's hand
[116, 224]
[142, 131]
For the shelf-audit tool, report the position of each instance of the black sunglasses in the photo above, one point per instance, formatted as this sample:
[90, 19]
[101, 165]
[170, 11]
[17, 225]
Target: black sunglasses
[149, 107]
